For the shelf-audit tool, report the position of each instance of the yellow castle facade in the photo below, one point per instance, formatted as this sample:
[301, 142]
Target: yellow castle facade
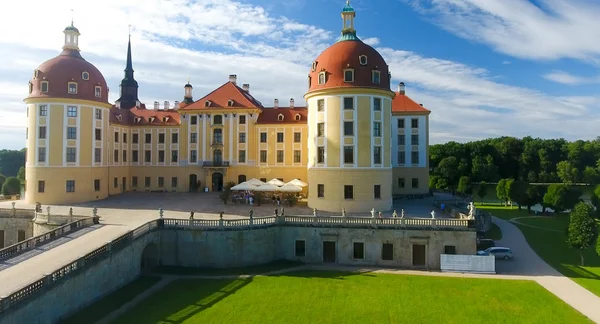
[356, 142]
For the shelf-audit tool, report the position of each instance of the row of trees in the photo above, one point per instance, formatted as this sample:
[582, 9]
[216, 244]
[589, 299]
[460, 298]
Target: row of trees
[11, 161]
[528, 159]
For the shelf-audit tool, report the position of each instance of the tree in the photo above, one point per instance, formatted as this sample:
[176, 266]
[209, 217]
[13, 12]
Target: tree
[433, 180]
[11, 161]
[533, 196]
[596, 198]
[226, 193]
[582, 231]
[591, 176]
[464, 185]
[501, 191]
[2, 179]
[561, 197]
[482, 189]
[12, 186]
[516, 190]
[21, 174]
[567, 172]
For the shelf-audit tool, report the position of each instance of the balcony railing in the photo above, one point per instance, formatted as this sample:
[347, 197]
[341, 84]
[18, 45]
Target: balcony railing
[217, 143]
[224, 164]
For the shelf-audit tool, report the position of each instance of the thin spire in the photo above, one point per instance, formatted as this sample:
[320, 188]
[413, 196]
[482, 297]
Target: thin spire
[72, 15]
[129, 31]
[129, 66]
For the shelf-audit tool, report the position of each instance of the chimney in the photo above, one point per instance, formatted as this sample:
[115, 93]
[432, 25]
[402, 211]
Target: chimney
[421, 105]
[276, 104]
[246, 87]
[233, 78]
[176, 104]
[291, 102]
[166, 105]
[156, 105]
[401, 88]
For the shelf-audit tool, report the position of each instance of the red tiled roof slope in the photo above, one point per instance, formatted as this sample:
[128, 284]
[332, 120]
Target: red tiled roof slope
[403, 104]
[220, 97]
[144, 117]
[270, 115]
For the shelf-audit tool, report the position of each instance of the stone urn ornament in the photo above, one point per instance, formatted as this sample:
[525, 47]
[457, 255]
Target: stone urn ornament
[48, 210]
[395, 214]
[95, 212]
[13, 205]
[343, 212]
[373, 213]
[314, 212]
[71, 212]
[161, 213]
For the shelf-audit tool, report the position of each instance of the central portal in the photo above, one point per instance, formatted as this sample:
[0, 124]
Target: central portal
[217, 181]
[328, 252]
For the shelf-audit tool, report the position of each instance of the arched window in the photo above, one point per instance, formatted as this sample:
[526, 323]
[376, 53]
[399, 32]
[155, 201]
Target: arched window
[322, 78]
[297, 116]
[280, 117]
[241, 178]
[98, 91]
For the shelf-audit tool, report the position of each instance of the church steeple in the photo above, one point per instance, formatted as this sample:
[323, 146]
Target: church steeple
[129, 87]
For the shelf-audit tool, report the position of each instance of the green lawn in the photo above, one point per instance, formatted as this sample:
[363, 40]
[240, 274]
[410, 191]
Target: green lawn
[263, 268]
[104, 306]
[333, 297]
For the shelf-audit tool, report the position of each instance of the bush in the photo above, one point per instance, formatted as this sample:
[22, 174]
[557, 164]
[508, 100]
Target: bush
[292, 198]
[226, 193]
[12, 186]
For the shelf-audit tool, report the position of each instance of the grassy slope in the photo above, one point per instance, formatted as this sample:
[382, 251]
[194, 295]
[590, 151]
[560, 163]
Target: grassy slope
[326, 297]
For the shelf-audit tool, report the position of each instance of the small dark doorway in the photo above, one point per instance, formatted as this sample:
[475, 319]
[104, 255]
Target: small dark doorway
[328, 251]
[149, 258]
[20, 235]
[1, 239]
[418, 255]
[217, 181]
[193, 182]
[241, 178]
[124, 182]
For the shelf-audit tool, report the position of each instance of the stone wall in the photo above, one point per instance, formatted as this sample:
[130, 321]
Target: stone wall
[11, 222]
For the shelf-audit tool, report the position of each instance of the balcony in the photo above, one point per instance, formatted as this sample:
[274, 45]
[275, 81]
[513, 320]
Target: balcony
[216, 164]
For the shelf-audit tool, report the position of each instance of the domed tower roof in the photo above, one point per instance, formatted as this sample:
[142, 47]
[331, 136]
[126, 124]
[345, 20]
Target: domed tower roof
[55, 77]
[349, 63]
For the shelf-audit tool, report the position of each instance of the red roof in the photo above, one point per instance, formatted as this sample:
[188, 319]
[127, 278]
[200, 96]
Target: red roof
[296, 115]
[144, 117]
[229, 95]
[403, 104]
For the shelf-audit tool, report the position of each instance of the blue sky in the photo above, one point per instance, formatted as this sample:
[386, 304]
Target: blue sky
[485, 68]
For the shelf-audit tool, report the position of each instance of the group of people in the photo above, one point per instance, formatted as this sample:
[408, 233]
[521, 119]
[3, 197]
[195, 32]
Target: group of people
[244, 196]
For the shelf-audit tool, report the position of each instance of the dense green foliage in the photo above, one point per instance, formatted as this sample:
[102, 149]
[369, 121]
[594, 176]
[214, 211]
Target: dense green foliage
[581, 232]
[12, 186]
[11, 161]
[529, 159]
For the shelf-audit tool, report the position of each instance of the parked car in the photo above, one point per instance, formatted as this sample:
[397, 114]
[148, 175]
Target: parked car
[483, 244]
[498, 252]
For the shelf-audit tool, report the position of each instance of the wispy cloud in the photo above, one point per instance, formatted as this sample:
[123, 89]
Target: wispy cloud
[570, 79]
[506, 62]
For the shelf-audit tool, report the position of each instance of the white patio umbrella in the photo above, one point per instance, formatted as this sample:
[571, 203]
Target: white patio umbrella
[288, 187]
[244, 186]
[255, 182]
[276, 182]
[298, 183]
[266, 187]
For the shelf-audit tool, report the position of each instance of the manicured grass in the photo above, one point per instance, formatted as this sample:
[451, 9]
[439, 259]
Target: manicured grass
[333, 297]
[259, 269]
[494, 233]
[500, 211]
[112, 302]
[559, 223]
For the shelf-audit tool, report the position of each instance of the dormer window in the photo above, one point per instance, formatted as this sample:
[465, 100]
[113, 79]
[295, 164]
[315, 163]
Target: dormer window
[280, 117]
[314, 66]
[362, 59]
[30, 87]
[119, 118]
[98, 91]
[85, 76]
[207, 103]
[230, 102]
[376, 77]
[44, 86]
[165, 119]
[322, 77]
[137, 119]
[72, 88]
[36, 73]
[349, 75]
[297, 117]
[151, 119]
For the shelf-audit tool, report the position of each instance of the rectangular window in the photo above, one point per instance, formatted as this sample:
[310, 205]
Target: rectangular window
[279, 156]
[377, 129]
[98, 134]
[242, 138]
[279, 137]
[377, 154]
[242, 156]
[320, 154]
[414, 123]
[71, 111]
[193, 138]
[321, 105]
[377, 191]
[116, 137]
[320, 190]
[116, 156]
[174, 156]
[377, 104]
[376, 77]
[41, 154]
[96, 184]
[134, 156]
[20, 236]
[124, 137]
[349, 154]
[174, 138]
[41, 186]
[414, 139]
[116, 182]
[42, 132]
[194, 120]
[358, 250]
[401, 157]
[148, 139]
[174, 182]
[147, 156]
[242, 119]
[387, 252]
[98, 114]
[43, 110]
[300, 248]
[401, 140]
[348, 192]
[70, 185]
[297, 156]
[44, 87]
[322, 78]
[72, 88]
[161, 138]
[349, 76]
[263, 156]
[193, 156]
[72, 133]
[134, 181]
[161, 156]
[161, 181]
[218, 136]
[263, 137]
[415, 182]
[449, 249]
[414, 157]
[147, 182]
[321, 129]
[348, 128]
[263, 179]
[97, 155]
[98, 92]
[401, 123]
[124, 156]
[136, 138]
[348, 103]
[401, 182]
[71, 154]
[297, 137]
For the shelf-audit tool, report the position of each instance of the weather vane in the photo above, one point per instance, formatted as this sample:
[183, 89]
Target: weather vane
[188, 80]
[129, 30]
[72, 14]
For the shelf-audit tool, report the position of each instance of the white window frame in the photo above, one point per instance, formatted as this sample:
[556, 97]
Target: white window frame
[373, 74]
[98, 91]
[84, 74]
[322, 78]
[360, 60]
[69, 87]
[348, 70]
[42, 86]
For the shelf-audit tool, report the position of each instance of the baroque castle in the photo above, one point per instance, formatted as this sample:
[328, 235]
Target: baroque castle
[356, 142]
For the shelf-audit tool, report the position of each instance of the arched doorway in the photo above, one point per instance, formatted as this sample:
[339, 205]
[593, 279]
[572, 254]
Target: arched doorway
[149, 258]
[193, 182]
[217, 181]
[241, 178]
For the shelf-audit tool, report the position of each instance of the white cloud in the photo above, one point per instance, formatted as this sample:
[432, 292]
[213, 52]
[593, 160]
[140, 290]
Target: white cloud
[373, 41]
[570, 79]
[209, 39]
[506, 62]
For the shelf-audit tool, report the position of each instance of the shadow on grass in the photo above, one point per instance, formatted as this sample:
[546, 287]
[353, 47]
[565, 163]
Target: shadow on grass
[252, 270]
